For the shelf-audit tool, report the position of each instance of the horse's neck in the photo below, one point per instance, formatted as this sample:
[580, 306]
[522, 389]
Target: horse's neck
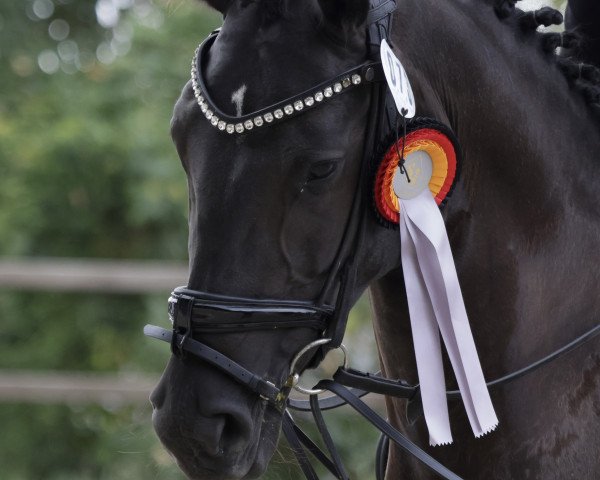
[524, 220]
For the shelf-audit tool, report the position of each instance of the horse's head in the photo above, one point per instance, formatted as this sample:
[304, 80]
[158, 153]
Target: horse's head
[270, 202]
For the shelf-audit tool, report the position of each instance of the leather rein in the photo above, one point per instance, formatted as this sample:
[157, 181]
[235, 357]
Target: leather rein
[189, 311]
[194, 312]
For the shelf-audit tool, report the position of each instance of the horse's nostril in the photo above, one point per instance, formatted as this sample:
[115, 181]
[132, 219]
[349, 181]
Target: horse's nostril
[223, 434]
[218, 435]
[236, 432]
[157, 397]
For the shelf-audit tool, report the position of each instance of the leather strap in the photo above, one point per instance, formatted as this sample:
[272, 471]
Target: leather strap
[374, 383]
[377, 13]
[383, 426]
[586, 337]
[324, 431]
[264, 388]
[327, 403]
[381, 456]
[235, 303]
[195, 311]
[290, 430]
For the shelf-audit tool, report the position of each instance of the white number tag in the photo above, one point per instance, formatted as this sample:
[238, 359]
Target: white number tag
[397, 80]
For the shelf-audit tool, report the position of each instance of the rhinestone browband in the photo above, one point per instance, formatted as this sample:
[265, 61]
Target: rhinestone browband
[286, 108]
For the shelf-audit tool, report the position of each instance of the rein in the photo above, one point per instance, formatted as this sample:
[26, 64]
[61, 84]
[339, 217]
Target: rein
[349, 385]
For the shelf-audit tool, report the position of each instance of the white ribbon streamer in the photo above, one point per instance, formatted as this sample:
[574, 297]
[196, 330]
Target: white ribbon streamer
[435, 301]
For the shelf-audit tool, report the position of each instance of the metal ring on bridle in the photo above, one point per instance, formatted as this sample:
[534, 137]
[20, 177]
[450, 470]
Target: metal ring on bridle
[295, 376]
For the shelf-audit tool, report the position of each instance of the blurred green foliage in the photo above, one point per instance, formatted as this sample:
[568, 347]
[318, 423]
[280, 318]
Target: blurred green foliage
[87, 169]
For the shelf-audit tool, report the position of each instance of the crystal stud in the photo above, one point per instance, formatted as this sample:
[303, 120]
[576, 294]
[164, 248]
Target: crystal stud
[209, 114]
[309, 101]
[328, 92]
[204, 107]
[214, 120]
[230, 128]
[248, 125]
[298, 105]
[337, 87]
[258, 121]
[356, 79]
[221, 125]
[239, 128]
[288, 109]
[268, 117]
[319, 96]
[278, 113]
[346, 82]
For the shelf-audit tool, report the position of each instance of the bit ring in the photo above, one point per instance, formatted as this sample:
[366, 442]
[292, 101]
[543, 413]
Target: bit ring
[295, 377]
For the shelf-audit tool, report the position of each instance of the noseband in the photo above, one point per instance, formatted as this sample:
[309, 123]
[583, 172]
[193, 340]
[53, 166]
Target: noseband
[192, 312]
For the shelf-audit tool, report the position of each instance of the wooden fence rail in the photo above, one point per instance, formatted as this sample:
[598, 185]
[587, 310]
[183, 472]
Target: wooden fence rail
[87, 275]
[75, 388]
[108, 276]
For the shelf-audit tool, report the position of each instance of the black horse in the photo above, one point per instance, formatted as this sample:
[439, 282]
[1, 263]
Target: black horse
[269, 209]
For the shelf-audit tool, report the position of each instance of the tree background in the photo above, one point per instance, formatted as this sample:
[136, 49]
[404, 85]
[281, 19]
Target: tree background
[87, 170]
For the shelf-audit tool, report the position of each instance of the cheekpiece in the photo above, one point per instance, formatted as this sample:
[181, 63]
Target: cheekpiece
[282, 110]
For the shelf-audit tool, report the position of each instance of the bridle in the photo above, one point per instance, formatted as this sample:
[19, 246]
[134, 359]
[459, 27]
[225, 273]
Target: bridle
[195, 312]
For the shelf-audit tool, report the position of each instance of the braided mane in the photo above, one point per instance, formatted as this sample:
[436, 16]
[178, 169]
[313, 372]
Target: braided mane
[582, 77]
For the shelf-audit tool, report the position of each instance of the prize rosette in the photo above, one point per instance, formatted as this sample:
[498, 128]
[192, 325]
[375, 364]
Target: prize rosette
[430, 160]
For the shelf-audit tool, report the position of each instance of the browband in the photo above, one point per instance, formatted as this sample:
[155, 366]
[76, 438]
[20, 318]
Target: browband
[287, 108]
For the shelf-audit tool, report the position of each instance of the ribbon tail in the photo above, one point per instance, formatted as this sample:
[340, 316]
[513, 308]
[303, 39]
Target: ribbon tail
[426, 227]
[426, 339]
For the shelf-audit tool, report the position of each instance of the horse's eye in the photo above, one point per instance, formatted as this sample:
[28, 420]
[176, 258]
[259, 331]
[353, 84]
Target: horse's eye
[321, 170]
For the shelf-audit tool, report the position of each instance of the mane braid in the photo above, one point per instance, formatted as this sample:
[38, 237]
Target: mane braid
[582, 77]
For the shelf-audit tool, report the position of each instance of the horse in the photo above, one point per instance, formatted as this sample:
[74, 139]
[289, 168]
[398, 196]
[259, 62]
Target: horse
[270, 205]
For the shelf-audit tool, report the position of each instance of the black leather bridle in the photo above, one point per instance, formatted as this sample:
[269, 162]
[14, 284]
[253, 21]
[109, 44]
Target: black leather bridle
[194, 312]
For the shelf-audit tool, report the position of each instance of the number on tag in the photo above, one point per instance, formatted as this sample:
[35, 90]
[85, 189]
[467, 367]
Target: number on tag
[397, 80]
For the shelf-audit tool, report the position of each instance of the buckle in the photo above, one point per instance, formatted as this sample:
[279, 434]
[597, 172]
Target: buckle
[172, 304]
[180, 311]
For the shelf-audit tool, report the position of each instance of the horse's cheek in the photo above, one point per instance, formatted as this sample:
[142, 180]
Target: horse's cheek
[310, 235]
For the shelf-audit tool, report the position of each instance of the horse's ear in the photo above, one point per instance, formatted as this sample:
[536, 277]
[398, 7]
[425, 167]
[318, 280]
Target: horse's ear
[219, 5]
[348, 13]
